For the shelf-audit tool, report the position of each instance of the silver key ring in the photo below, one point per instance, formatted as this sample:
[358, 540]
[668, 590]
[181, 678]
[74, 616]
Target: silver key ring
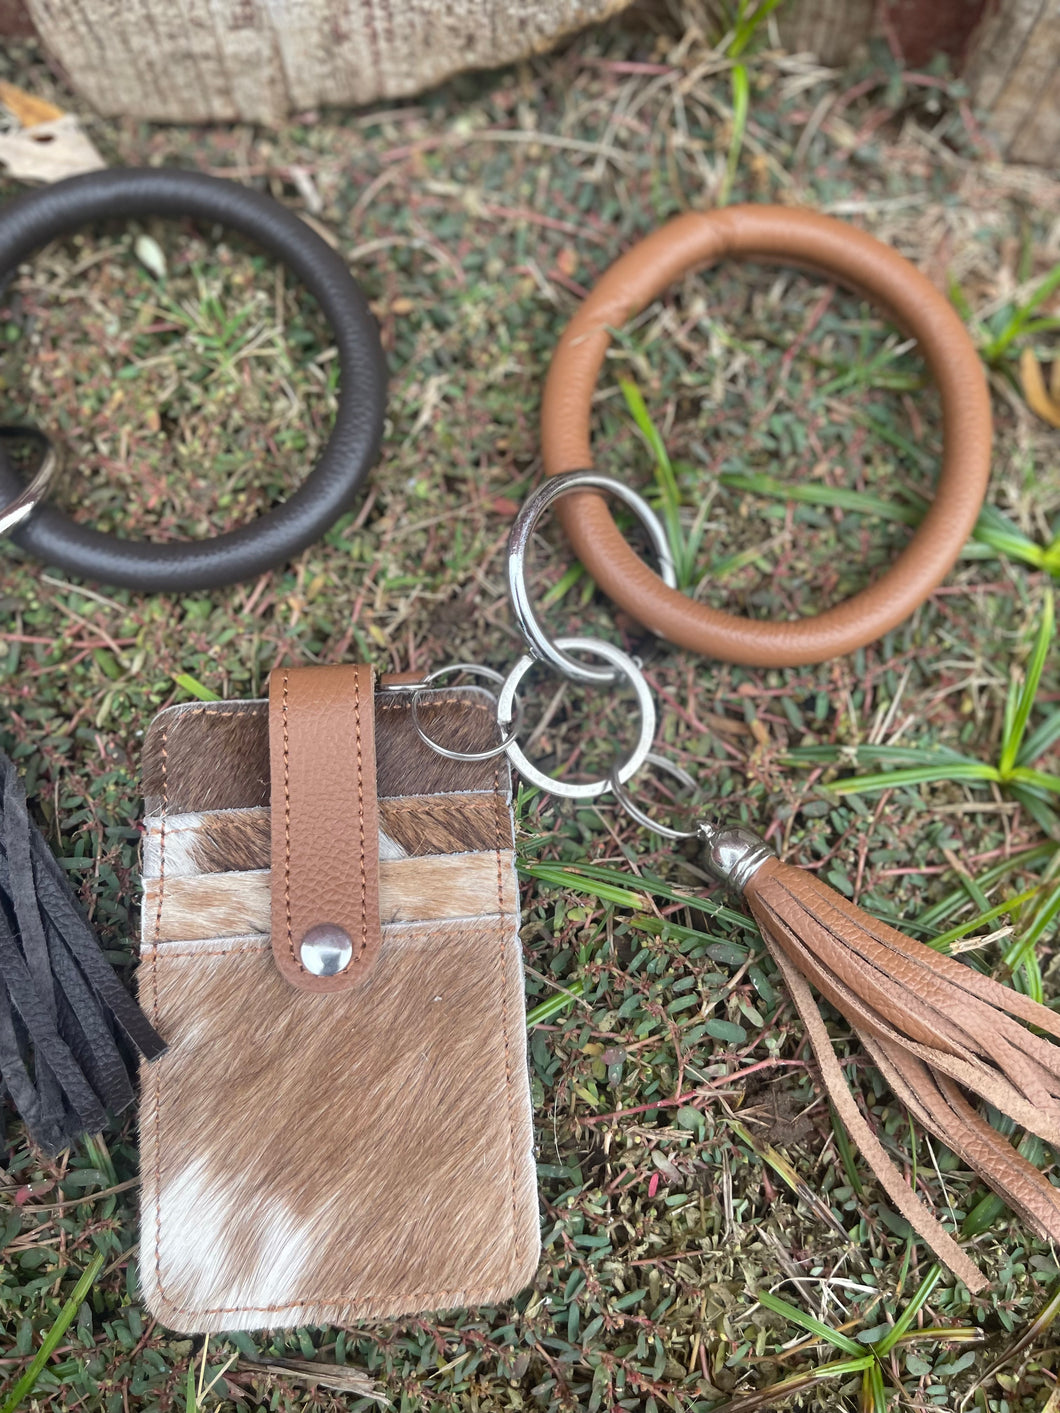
[542, 645]
[626, 667]
[16, 511]
[476, 670]
[625, 799]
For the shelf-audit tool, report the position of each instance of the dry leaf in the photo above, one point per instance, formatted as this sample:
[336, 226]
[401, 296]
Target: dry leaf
[48, 152]
[760, 731]
[151, 256]
[340, 1377]
[324, 232]
[1039, 400]
[29, 111]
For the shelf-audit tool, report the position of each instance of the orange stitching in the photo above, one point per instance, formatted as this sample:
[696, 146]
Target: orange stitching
[388, 704]
[435, 1298]
[287, 825]
[152, 1071]
[441, 803]
[161, 848]
[259, 708]
[212, 709]
[360, 812]
[205, 820]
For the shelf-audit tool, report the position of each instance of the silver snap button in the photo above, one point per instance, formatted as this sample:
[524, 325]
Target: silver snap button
[326, 949]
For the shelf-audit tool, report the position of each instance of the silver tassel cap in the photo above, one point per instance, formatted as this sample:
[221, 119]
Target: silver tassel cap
[732, 855]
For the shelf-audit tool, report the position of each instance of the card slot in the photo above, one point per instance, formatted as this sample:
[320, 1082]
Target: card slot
[215, 755]
[238, 840]
[395, 934]
[434, 888]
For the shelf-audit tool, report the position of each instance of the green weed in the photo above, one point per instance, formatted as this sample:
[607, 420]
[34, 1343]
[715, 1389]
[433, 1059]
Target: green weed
[1013, 321]
[23, 1387]
[684, 545]
[867, 1352]
[1015, 769]
[993, 535]
[745, 23]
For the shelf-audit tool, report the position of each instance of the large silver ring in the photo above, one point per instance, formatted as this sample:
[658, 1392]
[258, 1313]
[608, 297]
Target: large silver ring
[22, 507]
[626, 667]
[542, 645]
[473, 669]
[625, 799]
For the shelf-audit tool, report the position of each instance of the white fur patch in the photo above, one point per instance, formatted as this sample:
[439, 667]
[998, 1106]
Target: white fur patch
[197, 1213]
[389, 849]
[437, 887]
[181, 832]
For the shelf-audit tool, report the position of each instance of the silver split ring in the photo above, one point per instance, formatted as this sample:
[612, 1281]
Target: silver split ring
[22, 507]
[544, 647]
[625, 667]
[476, 670]
[625, 799]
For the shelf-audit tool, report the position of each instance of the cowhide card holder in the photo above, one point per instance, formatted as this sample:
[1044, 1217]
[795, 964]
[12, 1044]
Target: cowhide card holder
[340, 1128]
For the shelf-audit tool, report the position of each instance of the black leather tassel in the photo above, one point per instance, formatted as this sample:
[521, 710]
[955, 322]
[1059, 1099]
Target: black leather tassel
[69, 1031]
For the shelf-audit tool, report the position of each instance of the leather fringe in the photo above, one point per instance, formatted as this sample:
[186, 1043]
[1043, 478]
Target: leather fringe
[934, 1028]
[68, 1028]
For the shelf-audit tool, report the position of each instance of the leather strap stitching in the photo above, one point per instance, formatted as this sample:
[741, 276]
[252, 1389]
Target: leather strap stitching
[297, 961]
[360, 814]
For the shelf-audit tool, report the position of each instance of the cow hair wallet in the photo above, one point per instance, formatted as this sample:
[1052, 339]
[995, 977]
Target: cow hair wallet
[340, 1128]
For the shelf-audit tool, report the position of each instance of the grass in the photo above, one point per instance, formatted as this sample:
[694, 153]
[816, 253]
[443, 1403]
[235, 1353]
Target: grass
[743, 28]
[1016, 320]
[868, 1352]
[24, 1385]
[687, 1165]
[994, 535]
[1018, 754]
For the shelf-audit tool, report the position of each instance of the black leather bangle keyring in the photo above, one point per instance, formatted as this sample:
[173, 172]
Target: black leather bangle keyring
[32, 220]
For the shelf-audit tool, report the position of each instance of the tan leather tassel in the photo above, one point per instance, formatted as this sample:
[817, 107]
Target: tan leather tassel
[933, 1027]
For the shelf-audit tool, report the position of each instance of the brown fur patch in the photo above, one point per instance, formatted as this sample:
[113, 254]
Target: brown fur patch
[406, 766]
[445, 824]
[233, 841]
[315, 1159]
[213, 757]
[220, 841]
[217, 753]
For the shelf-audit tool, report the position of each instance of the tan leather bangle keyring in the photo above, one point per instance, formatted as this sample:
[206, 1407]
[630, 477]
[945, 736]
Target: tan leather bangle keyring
[855, 259]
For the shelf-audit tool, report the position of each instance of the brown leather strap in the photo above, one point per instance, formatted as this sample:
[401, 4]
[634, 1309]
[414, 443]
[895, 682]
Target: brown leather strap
[808, 240]
[888, 1176]
[325, 820]
[930, 1024]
